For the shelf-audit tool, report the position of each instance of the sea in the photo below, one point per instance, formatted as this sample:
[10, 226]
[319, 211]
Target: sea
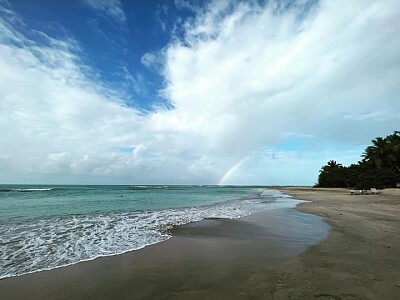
[43, 227]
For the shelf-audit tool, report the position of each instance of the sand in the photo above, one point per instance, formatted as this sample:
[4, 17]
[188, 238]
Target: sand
[277, 254]
[360, 258]
[204, 260]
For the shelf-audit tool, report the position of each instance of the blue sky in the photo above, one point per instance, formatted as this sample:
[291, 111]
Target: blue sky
[112, 45]
[177, 92]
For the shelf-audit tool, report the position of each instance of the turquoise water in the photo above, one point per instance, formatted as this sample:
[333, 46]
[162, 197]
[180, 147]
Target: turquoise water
[44, 227]
[24, 202]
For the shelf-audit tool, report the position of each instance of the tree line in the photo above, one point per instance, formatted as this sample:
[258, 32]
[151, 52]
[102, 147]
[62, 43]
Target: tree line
[379, 167]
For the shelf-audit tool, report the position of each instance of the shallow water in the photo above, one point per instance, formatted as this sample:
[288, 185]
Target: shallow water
[44, 227]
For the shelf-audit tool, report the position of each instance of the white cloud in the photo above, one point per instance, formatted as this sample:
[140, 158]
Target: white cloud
[50, 105]
[111, 8]
[255, 74]
[243, 78]
[152, 60]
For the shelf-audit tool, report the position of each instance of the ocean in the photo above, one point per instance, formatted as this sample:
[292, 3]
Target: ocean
[43, 227]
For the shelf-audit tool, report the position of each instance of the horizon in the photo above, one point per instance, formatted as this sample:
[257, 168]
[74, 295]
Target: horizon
[136, 185]
[223, 93]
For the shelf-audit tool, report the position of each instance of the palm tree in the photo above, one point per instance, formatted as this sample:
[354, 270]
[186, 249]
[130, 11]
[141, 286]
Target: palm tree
[393, 150]
[377, 152]
[331, 165]
[385, 152]
[332, 175]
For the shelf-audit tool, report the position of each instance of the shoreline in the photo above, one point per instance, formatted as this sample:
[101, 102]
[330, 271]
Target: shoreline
[202, 259]
[89, 235]
[359, 259]
[256, 257]
[281, 202]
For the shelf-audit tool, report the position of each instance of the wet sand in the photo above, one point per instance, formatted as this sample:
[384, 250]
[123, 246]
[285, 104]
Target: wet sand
[264, 256]
[360, 258]
[211, 259]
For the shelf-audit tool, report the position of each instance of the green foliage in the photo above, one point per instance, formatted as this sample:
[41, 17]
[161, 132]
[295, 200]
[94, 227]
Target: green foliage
[379, 168]
[377, 178]
[331, 175]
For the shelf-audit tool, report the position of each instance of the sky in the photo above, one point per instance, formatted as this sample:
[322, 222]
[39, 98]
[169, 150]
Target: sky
[193, 92]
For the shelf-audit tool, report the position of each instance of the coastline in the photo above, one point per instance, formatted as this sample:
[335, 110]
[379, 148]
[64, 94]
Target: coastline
[359, 259]
[262, 256]
[205, 259]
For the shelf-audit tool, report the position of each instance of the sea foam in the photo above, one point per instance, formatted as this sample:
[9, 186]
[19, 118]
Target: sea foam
[53, 242]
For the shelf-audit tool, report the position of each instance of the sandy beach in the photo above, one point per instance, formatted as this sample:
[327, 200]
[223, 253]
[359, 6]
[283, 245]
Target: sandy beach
[188, 149]
[277, 254]
[360, 258]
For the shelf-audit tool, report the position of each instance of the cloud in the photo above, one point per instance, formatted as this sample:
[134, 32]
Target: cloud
[242, 78]
[52, 103]
[58, 118]
[255, 74]
[111, 8]
[153, 60]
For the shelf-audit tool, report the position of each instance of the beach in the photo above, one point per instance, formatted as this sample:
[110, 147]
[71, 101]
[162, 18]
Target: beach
[360, 258]
[276, 254]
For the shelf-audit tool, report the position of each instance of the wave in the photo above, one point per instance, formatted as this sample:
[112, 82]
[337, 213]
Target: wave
[157, 187]
[8, 190]
[33, 190]
[60, 241]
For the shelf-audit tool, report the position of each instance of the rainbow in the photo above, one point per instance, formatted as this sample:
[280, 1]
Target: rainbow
[231, 170]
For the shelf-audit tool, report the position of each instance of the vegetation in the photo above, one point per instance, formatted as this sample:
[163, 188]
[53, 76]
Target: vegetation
[379, 167]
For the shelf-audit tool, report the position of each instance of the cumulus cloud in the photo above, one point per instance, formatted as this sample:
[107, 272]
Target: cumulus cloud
[243, 78]
[55, 115]
[254, 73]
